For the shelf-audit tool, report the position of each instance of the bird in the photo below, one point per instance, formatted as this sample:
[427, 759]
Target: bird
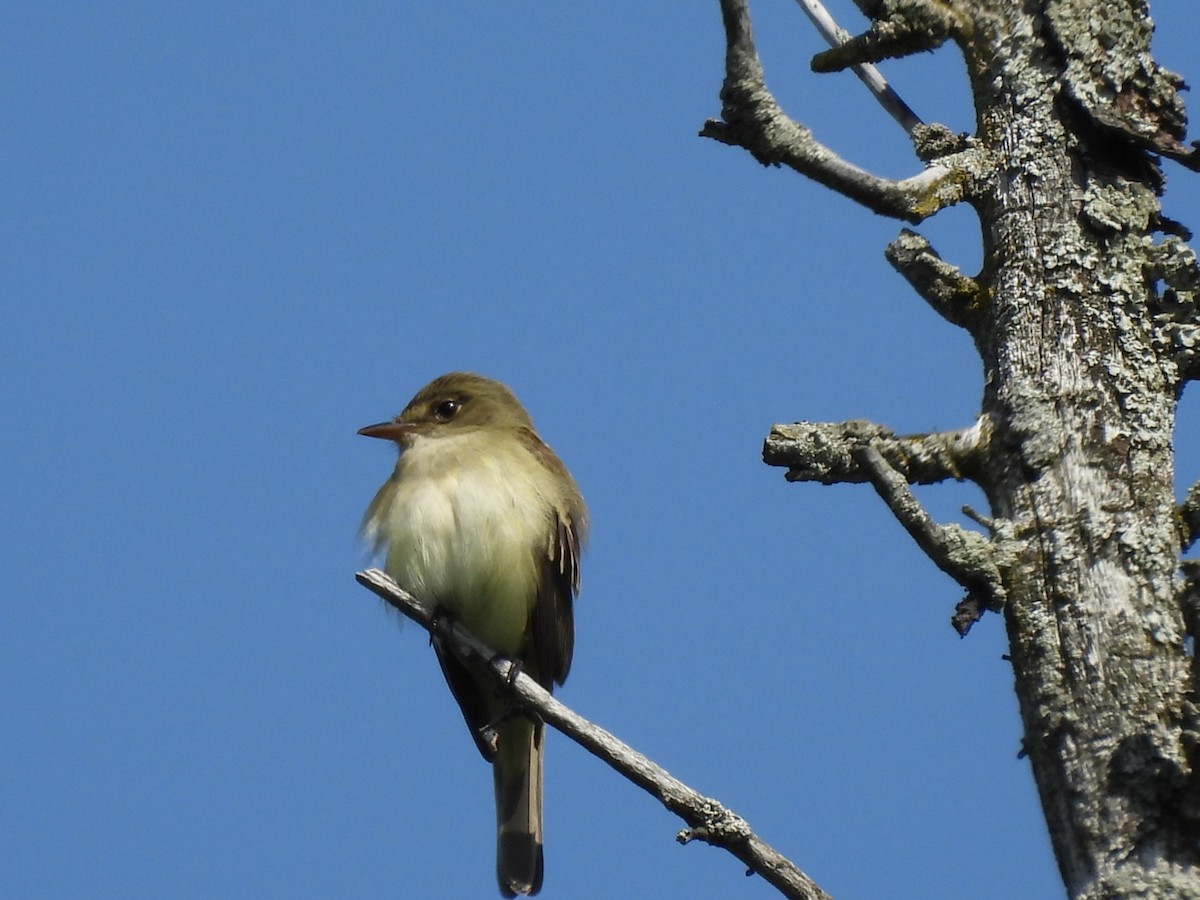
[481, 520]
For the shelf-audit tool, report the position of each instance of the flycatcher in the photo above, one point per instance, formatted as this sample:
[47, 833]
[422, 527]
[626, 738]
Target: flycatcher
[483, 521]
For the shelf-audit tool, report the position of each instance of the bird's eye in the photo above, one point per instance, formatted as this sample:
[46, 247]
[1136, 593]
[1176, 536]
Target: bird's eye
[446, 410]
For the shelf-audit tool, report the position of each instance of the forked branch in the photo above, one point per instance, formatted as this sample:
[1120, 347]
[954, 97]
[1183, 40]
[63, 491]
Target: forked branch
[967, 557]
[751, 118]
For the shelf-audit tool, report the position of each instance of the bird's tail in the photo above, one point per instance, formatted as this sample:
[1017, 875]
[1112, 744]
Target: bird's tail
[517, 772]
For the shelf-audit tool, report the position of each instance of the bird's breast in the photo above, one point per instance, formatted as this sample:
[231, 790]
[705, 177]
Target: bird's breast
[462, 526]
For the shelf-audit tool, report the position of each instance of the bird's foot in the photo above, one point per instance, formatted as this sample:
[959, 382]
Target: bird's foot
[515, 668]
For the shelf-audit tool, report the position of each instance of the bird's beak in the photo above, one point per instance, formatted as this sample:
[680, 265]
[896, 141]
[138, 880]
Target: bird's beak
[389, 431]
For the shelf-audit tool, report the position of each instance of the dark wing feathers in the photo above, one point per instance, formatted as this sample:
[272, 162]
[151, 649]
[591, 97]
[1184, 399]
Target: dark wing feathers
[553, 620]
[552, 632]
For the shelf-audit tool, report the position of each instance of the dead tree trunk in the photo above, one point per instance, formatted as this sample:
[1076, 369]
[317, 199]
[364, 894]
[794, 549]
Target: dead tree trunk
[1084, 317]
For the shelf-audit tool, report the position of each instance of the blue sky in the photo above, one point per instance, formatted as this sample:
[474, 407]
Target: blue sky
[235, 233]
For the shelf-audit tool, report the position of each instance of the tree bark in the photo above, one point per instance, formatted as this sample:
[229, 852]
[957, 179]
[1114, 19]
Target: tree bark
[1083, 398]
[1084, 319]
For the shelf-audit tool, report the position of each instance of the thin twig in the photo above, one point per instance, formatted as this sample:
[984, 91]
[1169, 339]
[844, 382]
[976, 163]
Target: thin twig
[867, 73]
[967, 557]
[707, 819]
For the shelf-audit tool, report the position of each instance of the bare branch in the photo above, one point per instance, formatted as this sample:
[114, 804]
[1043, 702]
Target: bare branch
[956, 297]
[900, 29]
[707, 819]
[857, 451]
[752, 119]
[867, 73]
[965, 556]
[824, 451]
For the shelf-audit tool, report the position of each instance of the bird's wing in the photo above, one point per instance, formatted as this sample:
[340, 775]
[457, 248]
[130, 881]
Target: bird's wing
[552, 631]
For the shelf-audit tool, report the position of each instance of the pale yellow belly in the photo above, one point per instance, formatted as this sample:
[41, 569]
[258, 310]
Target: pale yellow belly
[466, 540]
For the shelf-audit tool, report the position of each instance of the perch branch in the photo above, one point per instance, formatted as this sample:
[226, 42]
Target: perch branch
[824, 451]
[967, 557]
[707, 819]
[867, 73]
[956, 297]
[752, 119]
